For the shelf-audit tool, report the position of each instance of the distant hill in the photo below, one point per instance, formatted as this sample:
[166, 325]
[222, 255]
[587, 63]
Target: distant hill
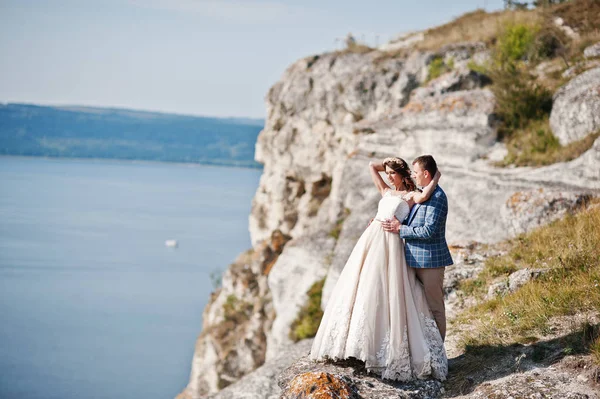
[87, 132]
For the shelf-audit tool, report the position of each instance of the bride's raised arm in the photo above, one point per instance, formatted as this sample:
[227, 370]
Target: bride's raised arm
[419, 198]
[375, 168]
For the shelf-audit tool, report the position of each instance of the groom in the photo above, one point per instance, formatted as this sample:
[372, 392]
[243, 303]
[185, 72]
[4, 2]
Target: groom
[424, 232]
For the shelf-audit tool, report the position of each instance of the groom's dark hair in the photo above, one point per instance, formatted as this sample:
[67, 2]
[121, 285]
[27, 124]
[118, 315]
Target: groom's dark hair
[428, 163]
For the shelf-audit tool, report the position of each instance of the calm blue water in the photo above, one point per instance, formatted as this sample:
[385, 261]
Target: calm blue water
[92, 302]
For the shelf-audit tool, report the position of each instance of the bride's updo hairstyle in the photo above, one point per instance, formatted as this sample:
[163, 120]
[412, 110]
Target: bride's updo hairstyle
[400, 166]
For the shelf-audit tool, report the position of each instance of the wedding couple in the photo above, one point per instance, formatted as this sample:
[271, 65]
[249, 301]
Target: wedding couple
[387, 308]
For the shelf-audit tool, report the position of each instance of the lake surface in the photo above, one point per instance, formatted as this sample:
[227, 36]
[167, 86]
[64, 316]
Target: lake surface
[92, 302]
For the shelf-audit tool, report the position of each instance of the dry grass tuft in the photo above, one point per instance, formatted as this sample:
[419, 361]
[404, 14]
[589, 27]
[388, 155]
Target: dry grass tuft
[535, 145]
[582, 15]
[476, 26]
[481, 26]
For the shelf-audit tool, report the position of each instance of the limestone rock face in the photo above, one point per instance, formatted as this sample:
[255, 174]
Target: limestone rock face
[458, 127]
[527, 210]
[576, 108]
[302, 263]
[262, 383]
[233, 341]
[308, 133]
[326, 108]
[456, 80]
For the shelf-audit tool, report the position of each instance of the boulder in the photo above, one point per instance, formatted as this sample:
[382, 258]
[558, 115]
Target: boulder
[521, 277]
[529, 209]
[576, 108]
[592, 51]
[499, 288]
[352, 373]
[318, 385]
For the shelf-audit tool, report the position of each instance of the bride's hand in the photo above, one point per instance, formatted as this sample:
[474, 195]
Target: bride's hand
[370, 221]
[438, 175]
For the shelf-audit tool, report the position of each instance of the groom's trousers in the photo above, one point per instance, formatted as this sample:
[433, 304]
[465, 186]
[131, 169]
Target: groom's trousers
[433, 284]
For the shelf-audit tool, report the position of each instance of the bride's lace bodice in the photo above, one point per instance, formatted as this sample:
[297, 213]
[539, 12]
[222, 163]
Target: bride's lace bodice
[392, 205]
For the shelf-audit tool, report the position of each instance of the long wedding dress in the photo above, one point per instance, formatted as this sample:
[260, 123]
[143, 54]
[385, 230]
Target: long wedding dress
[377, 311]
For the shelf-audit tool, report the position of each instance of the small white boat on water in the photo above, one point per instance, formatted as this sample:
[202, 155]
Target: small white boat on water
[171, 243]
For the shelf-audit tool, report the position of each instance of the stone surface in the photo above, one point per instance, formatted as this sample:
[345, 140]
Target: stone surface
[302, 263]
[592, 51]
[521, 277]
[456, 80]
[576, 108]
[527, 210]
[570, 32]
[316, 385]
[262, 383]
[368, 387]
[499, 288]
[537, 383]
[458, 127]
[580, 67]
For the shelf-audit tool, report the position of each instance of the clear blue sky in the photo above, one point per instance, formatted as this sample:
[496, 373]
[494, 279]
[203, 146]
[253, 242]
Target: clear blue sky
[200, 57]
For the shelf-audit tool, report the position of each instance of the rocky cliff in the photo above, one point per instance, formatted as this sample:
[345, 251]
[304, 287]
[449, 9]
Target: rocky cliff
[328, 116]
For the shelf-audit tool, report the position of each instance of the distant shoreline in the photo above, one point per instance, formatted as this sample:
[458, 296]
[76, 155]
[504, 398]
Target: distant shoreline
[133, 161]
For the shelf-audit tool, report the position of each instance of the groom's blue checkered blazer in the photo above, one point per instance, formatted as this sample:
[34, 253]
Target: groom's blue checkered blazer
[424, 232]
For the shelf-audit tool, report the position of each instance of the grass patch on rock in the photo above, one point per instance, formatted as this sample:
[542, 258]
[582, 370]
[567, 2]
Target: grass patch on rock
[437, 67]
[569, 249]
[535, 145]
[309, 317]
[549, 318]
[476, 26]
[337, 229]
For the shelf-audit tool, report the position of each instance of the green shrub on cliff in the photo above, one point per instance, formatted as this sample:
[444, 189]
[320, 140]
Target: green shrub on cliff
[436, 68]
[520, 99]
[337, 229]
[309, 316]
[515, 43]
[523, 100]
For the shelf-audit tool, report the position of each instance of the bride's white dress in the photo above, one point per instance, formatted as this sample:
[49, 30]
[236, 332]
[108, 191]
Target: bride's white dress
[377, 311]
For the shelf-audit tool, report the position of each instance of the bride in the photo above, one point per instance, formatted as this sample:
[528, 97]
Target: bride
[377, 311]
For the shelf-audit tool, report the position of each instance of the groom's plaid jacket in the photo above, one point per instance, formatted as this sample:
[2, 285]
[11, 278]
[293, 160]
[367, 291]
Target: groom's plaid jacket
[424, 232]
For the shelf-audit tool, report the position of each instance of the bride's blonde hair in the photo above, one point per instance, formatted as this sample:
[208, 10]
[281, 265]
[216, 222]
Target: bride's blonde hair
[400, 166]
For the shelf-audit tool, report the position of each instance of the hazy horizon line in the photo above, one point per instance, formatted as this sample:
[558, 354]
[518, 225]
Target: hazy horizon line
[127, 108]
